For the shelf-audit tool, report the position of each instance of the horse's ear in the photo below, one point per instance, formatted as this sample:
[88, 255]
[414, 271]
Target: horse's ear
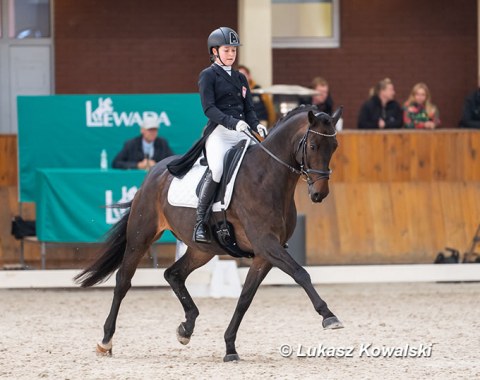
[337, 115]
[311, 117]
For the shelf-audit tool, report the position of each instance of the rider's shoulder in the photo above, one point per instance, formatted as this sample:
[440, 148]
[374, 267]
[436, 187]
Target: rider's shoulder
[208, 71]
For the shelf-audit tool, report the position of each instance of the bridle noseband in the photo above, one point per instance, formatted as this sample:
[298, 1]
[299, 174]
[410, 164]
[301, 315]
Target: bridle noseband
[304, 170]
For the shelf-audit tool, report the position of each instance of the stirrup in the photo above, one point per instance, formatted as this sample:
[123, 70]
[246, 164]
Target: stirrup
[201, 233]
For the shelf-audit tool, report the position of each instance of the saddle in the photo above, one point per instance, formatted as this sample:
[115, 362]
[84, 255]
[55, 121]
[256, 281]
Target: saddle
[223, 230]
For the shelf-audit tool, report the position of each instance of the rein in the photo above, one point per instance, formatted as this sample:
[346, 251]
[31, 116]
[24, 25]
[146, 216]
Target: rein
[304, 171]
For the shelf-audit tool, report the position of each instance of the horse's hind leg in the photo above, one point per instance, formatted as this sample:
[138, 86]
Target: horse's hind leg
[139, 239]
[257, 272]
[176, 276]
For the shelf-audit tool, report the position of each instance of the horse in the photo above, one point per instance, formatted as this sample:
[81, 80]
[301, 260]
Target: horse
[262, 212]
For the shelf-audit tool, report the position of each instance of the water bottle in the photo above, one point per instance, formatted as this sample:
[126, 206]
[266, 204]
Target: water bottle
[103, 160]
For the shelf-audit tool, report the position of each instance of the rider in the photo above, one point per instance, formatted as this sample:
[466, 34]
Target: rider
[227, 103]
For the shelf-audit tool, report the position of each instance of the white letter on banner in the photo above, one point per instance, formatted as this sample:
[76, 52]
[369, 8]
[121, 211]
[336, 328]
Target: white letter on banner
[90, 120]
[135, 118]
[163, 118]
[109, 218]
[108, 120]
[122, 118]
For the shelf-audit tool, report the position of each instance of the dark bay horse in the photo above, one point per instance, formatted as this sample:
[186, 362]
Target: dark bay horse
[262, 212]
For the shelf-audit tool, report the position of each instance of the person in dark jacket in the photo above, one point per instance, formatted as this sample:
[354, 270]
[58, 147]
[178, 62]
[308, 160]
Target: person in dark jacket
[227, 103]
[144, 151]
[381, 110]
[323, 99]
[471, 111]
[263, 104]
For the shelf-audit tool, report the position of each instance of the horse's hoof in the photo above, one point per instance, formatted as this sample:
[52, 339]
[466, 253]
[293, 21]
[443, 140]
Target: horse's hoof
[332, 323]
[104, 349]
[182, 335]
[231, 358]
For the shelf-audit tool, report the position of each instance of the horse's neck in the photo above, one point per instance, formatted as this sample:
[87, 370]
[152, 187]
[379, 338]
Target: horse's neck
[284, 141]
[283, 144]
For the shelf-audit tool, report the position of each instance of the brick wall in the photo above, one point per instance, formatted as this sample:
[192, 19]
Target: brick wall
[141, 46]
[146, 46]
[407, 40]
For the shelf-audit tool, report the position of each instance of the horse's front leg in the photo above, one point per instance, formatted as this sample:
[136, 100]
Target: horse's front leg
[257, 272]
[176, 276]
[271, 249]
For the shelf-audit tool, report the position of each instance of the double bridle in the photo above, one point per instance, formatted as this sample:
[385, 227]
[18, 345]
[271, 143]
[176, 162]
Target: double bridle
[304, 170]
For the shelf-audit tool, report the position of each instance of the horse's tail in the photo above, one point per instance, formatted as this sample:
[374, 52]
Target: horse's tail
[111, 254]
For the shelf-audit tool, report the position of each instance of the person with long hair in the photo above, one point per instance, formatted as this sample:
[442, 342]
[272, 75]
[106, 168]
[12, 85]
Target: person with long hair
[381, 110]
[418, 111]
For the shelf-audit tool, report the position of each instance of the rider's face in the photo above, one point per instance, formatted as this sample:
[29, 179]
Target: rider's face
[227, 55]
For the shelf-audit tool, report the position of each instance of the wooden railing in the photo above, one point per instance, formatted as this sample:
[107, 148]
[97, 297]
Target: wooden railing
[395, 197]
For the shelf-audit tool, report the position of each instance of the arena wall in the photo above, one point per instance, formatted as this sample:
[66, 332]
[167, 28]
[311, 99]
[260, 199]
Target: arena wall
[395, 197]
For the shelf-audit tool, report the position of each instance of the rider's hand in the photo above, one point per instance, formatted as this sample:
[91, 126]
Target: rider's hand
[262, 130]
[241, 126]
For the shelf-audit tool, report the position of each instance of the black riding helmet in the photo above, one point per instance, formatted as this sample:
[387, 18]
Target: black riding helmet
[222, 36]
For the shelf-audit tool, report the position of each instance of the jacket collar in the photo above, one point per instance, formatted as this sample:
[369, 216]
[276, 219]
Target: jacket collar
[234, 78]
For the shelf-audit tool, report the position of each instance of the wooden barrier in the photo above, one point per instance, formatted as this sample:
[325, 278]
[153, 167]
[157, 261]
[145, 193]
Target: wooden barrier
[407, 155]
[8, 160]
[395, 197]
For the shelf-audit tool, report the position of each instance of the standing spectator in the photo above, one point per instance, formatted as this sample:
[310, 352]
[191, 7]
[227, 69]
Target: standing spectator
[418, 110]
[381, 110]
[262, 102]
[144, 151]
[471, 111]
[323, 100]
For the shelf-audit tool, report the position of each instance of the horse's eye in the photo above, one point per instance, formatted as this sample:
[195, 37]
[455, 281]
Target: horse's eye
[313, 146]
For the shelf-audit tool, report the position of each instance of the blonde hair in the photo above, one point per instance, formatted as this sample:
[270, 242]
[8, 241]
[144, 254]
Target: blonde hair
[382, 85]
[429, 106]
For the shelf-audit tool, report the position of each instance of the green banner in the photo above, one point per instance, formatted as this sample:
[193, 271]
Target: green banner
[71, 203]
[70, 131]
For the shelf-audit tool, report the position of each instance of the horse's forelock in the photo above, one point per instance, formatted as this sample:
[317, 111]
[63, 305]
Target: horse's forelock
[323, 117]
[324, 121]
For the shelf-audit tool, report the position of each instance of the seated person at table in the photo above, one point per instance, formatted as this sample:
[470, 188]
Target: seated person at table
[418, 111]
[381, 110]
[471, 111]
[144, 151]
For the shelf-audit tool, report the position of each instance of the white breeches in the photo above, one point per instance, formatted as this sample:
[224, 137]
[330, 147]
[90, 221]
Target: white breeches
[217, 144]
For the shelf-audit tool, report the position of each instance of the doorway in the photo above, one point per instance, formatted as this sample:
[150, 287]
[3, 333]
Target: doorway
[26, 55]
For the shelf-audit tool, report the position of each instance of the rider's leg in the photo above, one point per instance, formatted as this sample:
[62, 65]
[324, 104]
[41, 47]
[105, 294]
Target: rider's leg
[201, 232]
[217, 144]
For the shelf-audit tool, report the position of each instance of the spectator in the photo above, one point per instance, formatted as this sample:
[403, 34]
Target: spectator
[381, 110]
[262, 102]
[144, 151]
[418, 110]
[471, 111]
[323, 100]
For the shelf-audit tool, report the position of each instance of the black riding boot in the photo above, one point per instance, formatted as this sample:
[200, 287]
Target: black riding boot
[201, 232]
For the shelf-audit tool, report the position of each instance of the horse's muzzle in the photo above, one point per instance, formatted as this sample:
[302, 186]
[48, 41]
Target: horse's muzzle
[318, 191]
[317, 197]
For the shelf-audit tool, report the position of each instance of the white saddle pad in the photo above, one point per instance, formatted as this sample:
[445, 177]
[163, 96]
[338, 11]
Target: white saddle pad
[182, 190]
